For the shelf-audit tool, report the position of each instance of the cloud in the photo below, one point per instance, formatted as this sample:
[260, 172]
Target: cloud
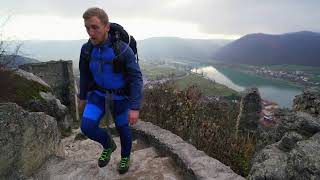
[250, 16]
[211, 16]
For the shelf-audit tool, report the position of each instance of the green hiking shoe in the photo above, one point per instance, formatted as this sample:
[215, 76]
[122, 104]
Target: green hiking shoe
[106, 155]
[124, 165]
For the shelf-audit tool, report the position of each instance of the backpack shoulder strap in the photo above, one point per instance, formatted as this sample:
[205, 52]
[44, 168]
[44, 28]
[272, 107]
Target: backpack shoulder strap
[86, 53]
[85, 57]
[118, 62]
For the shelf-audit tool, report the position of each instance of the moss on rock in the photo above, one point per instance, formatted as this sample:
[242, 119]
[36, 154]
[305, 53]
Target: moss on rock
[19, 90]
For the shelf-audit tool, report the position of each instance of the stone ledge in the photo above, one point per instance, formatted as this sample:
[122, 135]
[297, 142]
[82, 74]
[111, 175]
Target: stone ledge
[195, 163]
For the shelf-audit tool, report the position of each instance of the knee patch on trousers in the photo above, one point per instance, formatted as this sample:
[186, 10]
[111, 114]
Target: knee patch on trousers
[92, 111]
[88, 126]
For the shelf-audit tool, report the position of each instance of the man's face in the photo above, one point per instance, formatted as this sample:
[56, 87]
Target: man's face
[96, 29]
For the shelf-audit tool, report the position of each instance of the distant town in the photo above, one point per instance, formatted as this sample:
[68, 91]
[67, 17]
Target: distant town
[300, 77]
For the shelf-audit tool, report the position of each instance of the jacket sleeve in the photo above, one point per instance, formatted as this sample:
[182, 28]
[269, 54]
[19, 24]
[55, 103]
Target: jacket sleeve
[84, 75]
[134, 78]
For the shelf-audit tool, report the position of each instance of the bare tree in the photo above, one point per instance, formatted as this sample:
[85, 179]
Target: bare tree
[7, 57]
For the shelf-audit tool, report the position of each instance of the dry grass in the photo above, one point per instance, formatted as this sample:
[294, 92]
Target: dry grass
[210, 126]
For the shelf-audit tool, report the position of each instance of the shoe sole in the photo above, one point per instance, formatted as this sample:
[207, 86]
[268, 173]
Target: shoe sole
[123, 171]
[114, 147]
[103, 165]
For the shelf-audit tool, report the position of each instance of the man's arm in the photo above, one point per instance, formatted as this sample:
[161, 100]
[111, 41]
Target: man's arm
[84, 78]
[134, 78]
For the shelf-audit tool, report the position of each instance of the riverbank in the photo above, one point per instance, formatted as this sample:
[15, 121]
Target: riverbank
[294, 75]
[208, 87]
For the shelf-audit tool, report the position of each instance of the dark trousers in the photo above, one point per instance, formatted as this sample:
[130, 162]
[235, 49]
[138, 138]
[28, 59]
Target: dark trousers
[93, 113]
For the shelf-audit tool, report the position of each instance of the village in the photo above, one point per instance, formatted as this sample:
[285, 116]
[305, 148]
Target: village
[300, 77]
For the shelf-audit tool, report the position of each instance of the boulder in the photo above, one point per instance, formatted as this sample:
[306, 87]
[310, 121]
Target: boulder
[31, 77]
[290, 150]
[304, 160]
[289, 121]
[269, 163]
[308, 101]
[27, 139]
[299, 160]
[53, 107]
[33, 94]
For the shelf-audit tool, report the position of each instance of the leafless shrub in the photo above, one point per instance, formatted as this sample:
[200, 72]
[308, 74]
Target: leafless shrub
[208, 125]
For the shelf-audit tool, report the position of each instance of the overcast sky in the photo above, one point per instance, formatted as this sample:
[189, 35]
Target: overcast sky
[62, 19]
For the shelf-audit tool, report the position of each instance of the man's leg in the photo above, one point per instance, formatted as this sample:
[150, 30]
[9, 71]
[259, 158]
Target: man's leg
[126, 140]
[93, 112]
[120, 113]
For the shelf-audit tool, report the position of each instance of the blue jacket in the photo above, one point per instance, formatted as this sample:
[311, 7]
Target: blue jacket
[103, 75]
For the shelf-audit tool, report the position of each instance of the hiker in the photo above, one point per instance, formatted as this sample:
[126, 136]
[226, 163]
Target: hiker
[109, 76]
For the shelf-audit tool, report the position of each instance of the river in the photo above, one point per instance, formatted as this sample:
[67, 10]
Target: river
[275, 90]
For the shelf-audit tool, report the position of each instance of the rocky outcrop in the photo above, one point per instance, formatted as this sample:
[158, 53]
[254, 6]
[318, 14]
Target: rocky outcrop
[308, 101]
[270, 163]
[33, 94]
[53, 107]
[289, 121]
[31, 77]
[304, 160]
[293, 157]
[250, 108]
[196, 164]
[290, 150]
[59, 75]
[27, 139]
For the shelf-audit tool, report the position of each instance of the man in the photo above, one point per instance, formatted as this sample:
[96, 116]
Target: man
[123, 91]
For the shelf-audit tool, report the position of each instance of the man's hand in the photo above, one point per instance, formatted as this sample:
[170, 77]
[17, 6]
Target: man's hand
[82, 104]
[133, 116]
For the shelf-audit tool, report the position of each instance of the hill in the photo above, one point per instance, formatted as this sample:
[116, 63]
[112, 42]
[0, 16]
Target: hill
[300, 48]
[14, 61]
[161, 48]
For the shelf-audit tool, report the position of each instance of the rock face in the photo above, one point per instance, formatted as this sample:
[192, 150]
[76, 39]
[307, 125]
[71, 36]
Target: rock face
[250, 108]
[298, 122]
[308, 101]
[33, 94]
[27, 139]
[54, 108]
[304, 160]
[31, 77]
[59, 75]
[294, 157]
[291, 149]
